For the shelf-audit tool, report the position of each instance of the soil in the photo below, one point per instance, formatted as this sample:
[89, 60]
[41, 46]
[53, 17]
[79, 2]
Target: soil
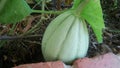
[16, 50]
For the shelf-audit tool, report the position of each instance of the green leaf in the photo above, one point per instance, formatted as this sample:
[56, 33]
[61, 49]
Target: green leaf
[12, 11]
[92, 12]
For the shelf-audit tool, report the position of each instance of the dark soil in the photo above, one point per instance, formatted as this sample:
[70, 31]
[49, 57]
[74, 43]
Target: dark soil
[24, 50]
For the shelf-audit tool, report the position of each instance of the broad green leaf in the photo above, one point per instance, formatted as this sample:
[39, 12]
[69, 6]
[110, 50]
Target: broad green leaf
[12, 11]
[92, 12]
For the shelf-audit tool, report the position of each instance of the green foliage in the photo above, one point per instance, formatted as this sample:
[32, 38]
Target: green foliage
[12, 11]
[92, 12]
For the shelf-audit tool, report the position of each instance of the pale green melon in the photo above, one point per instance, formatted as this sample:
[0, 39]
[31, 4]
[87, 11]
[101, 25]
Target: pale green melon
[66, 38]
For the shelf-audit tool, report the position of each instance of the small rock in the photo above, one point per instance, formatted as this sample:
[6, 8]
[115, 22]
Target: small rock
[104, 61]
[57, 64]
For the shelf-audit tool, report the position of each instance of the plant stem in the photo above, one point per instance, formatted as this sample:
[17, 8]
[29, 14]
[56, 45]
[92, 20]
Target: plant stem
[43, 5]
[48, 12]
[12, 29]
[38, 3]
